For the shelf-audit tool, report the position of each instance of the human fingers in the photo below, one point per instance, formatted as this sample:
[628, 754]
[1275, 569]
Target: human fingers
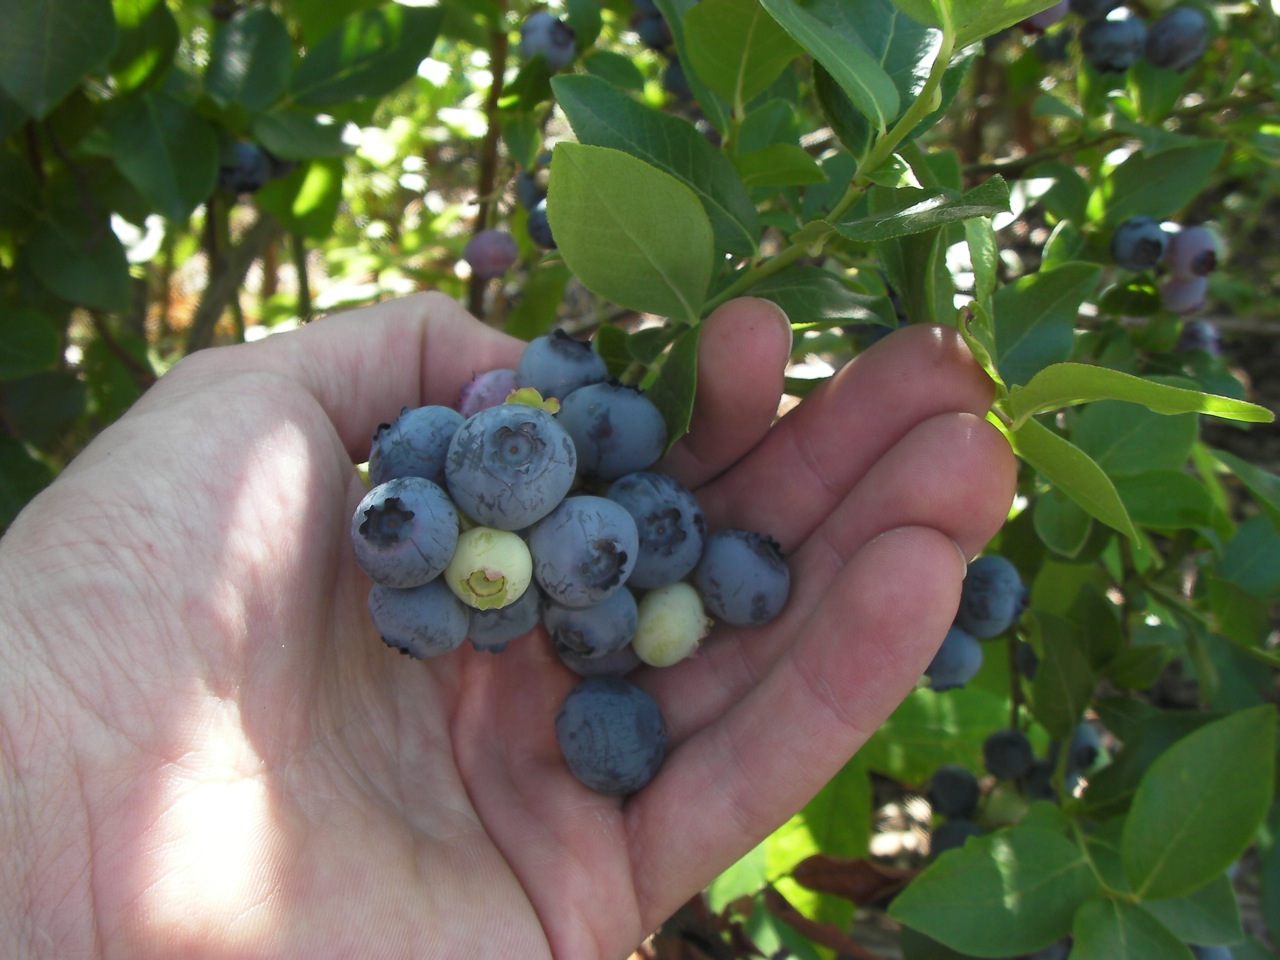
[814, 455]
[743, 350]
[854, 658]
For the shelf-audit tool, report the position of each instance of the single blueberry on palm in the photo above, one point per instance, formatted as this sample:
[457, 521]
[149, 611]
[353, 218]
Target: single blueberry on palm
[414, 444]
[616, 429]
[992, 597]
[958, 659]
[404, 532]
[1138, 243]
[556, 364]
[1007, 754]
[671, 524]
[612, 735]
[508, 466]
[953, 792]
[1114, 44]
[583, 550]
[1178, 39]
[425, 621]
[742, 577]
[543, 33]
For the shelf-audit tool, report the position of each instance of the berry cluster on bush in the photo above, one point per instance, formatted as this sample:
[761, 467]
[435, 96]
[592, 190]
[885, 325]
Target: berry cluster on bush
[245, 167]
[535, 501]
[992, 598]
[1114, 38]
[1185, 255]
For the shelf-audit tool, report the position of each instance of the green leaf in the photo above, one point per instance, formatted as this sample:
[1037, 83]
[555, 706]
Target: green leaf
[1251, 559]
[1199, 804]
[538, 309]
[1066, 384]
[28, 342]
[674, 11]
[1165, 499]
[827, 29]
[250, 60]
[1112, 788]
[778, 165]
[47, 46]
[1007, 893]
[618, 70]
[1264, 486]
[746, 877]
[167, 151]
[370, 54]
[813, 299]
[1107, 929]
[298, 135]
[1035, 318]
[1073, 472]
[1064, 683]
[22, 476]
[907, 210]
[676, 384]
[929, 729]
[603, 117]
[148, 39]
[600, 203]
[112, 385]
[1210, 916]
[984, 254]
[584, 19]
[80, 261]
[1125, 438]
[306, 201]
[917, 268]
[1155, 185]
[1061, 523]
[737, 48]
[774, 121]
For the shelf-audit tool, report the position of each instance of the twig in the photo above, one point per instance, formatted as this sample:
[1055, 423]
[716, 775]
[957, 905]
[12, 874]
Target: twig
[489, 154]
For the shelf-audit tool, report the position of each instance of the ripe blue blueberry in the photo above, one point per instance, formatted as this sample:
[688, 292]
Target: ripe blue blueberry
[1037, 783]
[742, 577]
[493, 629]
[1200, 335]
[957, 661]
[543, 33]
[531, 189]
[1178, 39]
[595, 631]
[616, 429]
[425, 621]
[672, 526]
[404, 532]
[539, 227]
[556, 364]
[413, 445]
[486, 390]
[1192, 252]
[953, 792]
[675, 82]
[992, 597]
[1092, 9]
[1115, 44]
[1048, 17]
[616, 664]
[951, 835]
[1026, 660]
[1007, 754]
[508, 466]
[1138, 243]
[1184, 294]
[244, 167]
[653, 30]
[612, 735]
[583, 550]
[491, 253]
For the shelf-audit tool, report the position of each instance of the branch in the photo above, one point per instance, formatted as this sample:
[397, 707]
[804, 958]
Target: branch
[489, 154]
[226, 280]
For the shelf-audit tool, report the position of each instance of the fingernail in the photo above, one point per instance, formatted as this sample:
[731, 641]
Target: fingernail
[964, 560]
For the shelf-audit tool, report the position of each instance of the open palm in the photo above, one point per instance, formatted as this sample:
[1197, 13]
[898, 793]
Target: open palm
[208, 752]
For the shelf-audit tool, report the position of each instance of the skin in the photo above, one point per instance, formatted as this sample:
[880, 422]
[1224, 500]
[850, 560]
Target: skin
[206, 751]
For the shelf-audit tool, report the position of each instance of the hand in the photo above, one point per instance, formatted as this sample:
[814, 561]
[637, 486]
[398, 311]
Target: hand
[207, 751]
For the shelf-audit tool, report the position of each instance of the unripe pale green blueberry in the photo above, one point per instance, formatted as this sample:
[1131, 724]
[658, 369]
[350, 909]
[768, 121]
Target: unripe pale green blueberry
[490, 568]
[671, 623]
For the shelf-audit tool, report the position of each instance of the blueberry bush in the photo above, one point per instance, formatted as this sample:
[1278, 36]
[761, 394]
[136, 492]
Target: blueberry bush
[1085, 190]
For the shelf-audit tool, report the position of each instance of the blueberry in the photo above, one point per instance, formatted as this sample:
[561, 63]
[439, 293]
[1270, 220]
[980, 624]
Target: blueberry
[992, 597]
[486, 390]
[413, 445]
[1047, 18]
[556, 365]
[489, 569]
[616, 429]
[404, 532]
[1092, 9]
[494, 628]
[1055, 951]
[583, 550]
[1007, 754]
[1084, 749]
[615, 664]
[1138, 243]
[1192, 252]
[957, 661]
[1210, 953]
[742, 577]
[951, 835]
[531, 189]
[1200, 335]
[671, 624]
[671, 525]
[953, 792]
[244, 167]
[1037, 783]
[1184, 294]
[595, 631]
[1026, 660]
[491, 253]
[612, 735]
[508, 466]
[653, 30]
[675, 82]
[1178, 39]
[539, 227]
[1115, 44]
[542, 33]
[424, 621]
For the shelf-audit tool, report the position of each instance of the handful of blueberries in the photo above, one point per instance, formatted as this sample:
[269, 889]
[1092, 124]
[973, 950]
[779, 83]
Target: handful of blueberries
[534, 501]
